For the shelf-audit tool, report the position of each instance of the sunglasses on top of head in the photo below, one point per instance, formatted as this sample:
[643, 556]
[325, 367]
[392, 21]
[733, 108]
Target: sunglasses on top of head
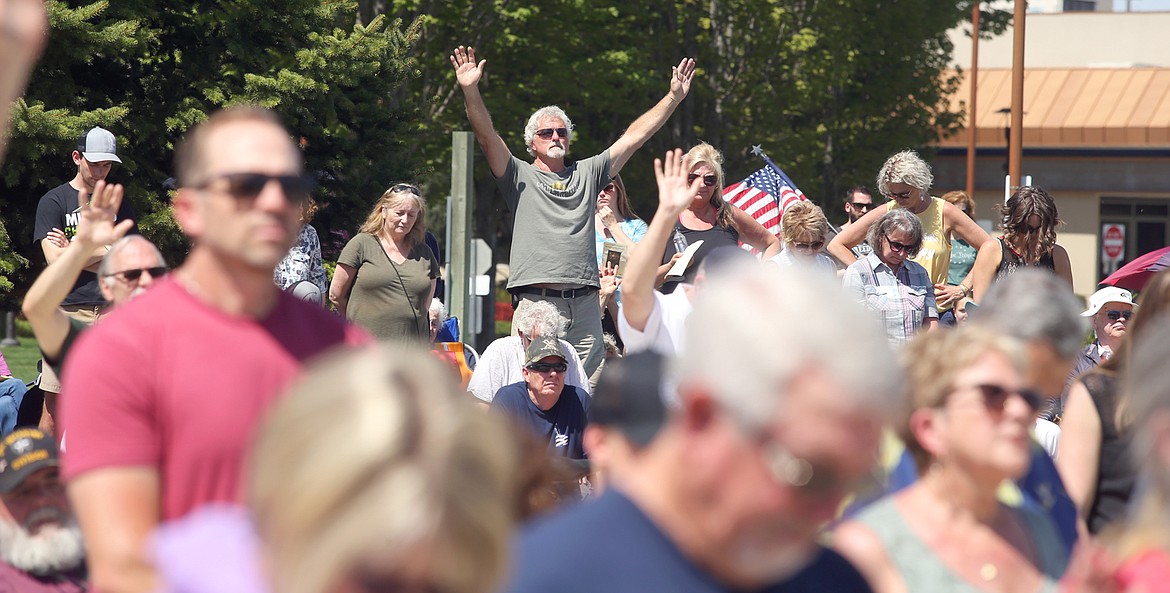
[547, 133]
[406, 188]
[708, 180]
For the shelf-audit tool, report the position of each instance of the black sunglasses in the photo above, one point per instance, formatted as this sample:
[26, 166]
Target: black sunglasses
[1027, 229]
[861, 205]
[899, 247]
[405, 188]
[1114, 314]
[135, 274]
[901, 194]
[547, 367]
[708, 180]
[247, 186]
[547, 133]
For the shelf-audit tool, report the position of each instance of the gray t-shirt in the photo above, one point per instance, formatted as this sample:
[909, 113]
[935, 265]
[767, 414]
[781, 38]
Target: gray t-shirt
[553, 236]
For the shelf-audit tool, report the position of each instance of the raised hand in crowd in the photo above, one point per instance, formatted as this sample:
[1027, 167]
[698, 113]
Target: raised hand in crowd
[467, 71]
[96, 225]
[23, 26]
[680, 78]
[674, 195]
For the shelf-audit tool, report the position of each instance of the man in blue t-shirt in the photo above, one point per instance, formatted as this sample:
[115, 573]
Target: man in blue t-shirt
[543, 402]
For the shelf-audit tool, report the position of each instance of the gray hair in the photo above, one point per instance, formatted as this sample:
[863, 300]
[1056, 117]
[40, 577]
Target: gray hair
[543, 112]
[905, 167]
[438, 307]
[539, 314]
[902, 221]
[734, 346]
[1034, 304]
[107, 266]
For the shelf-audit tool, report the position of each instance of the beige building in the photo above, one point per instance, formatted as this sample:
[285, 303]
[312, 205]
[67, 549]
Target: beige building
[1096, 131]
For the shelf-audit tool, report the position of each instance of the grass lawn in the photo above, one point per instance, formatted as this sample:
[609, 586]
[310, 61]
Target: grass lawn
[22, 359]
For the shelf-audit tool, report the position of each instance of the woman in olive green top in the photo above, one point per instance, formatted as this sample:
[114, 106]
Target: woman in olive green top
[385, 277]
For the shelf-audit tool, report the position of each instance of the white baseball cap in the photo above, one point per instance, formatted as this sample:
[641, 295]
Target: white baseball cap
[98, 145]
[1109, 294]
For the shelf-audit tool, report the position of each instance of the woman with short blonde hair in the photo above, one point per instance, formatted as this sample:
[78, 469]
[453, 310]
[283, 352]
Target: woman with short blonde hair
[803, 229]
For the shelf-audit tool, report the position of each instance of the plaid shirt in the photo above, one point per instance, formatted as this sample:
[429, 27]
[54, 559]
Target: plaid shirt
[904, 299]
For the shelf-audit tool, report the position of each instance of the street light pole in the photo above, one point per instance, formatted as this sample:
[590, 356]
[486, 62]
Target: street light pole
[1016, 142]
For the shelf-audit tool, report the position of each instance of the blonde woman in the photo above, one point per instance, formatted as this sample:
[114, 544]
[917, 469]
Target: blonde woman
[711, 219]
[966, 425]
[385, 276]
[803, 230]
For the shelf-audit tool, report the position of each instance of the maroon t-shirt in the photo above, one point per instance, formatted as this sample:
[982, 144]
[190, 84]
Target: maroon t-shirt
[167, 382]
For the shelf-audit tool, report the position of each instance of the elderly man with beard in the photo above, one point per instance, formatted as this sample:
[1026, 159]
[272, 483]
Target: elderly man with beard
[554, 199]
[767, 429]
[41, 548]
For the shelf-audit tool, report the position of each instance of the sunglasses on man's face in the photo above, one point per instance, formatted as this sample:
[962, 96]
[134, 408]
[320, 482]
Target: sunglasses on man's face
[246, 187]
[132, 276]
[708, 180]
[548, 367]
[547, 133]
[861, 205]
[1114, 314]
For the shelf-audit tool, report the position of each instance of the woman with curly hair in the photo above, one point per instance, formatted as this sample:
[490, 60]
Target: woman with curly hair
[711, 219]
[1029, 222]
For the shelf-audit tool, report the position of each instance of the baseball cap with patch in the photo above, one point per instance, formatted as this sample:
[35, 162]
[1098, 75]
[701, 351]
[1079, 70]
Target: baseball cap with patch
[98, 145]
[541, 348]
[24, 452]
[628, 396]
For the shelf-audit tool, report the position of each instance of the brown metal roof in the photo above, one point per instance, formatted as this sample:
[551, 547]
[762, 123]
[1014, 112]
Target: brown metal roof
[1073, 107]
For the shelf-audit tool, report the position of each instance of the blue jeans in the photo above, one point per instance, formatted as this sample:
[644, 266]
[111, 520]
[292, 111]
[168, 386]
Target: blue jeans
[11, 394]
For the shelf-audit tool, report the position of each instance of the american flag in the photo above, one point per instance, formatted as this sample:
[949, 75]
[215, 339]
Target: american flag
[765, 194]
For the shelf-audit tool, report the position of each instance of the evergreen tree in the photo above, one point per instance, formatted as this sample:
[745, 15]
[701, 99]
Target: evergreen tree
[148, 71]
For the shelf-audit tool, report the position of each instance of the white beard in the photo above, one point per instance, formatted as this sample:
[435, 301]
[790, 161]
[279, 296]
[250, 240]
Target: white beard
[556, 152]
[54, 549]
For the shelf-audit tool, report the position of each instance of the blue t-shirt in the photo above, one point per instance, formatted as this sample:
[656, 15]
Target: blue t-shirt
[563, 424]
[611, 545]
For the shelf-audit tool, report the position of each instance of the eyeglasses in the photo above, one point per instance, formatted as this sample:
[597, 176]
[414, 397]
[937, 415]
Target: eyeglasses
[995, 396]
[800, 474]
[814, 246]
[1114, 314]
[861, 205]
[405, 188]
[547, 367]
[708, 180]
[132, 276]
[547, 133]
[247, 186]
[1027, 229]
[898, 247]
[900, 195]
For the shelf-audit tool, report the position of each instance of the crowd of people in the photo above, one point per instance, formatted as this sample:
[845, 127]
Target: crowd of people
[909, 405]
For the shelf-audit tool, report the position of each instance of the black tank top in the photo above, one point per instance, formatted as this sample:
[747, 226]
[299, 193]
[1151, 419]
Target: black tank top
[1115, 472]
[712, 238]
[1010, 262]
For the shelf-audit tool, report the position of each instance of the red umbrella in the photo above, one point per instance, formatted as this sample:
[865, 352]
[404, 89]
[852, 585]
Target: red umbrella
[1136, 273]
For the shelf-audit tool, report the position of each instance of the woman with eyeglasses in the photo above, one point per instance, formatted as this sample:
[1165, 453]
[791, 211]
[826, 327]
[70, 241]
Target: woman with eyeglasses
[1097, 423]
[966, 425]
[889, 282]
[803, 229]
[711, 219]
[385, 276]
[906, 179]
[616, 223]
[1029, 222]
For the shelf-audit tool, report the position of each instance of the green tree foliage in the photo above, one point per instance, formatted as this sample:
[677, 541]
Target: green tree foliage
[829, 89]
[148, 71]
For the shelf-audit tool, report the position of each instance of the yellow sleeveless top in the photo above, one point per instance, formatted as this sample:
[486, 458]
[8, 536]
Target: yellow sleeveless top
[935, 254]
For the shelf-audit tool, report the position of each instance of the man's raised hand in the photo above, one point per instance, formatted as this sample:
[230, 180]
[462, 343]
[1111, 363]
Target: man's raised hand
[96, 225]
[467, 72]
[674, 192]
[681, 77]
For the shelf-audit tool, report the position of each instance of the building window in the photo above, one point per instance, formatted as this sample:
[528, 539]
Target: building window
[1080, 5]
[1145, 224]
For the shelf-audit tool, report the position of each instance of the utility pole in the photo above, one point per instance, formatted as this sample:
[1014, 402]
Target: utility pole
[459, 230]
[971, 107]
[1016, 142]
